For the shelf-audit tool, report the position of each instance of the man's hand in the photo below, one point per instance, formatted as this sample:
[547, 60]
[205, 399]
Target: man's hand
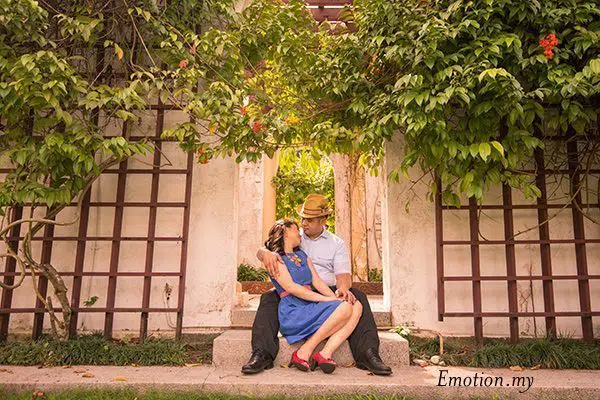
[346, 295]
[272, 261]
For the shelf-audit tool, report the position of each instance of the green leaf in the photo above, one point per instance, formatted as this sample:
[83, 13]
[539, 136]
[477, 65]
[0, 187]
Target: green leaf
[474, 150]
[498, 146]
[484, 150]
[452, 149]
[595, 66]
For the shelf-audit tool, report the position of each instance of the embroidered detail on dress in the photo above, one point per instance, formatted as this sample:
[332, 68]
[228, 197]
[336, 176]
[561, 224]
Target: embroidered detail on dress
[294, 258]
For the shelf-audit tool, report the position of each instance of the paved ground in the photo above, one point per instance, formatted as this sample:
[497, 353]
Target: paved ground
[409, 381]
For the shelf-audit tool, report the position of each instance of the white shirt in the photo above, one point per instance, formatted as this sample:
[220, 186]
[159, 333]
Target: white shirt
[328, 254]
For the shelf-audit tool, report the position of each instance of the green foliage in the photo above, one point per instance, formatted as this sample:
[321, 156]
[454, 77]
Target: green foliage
[375, 275]
[300, 173]
[92, 350]
[91, 301]
[247, 272]
[471, 86]
[69, 70]
[467, 84]
[563, 353]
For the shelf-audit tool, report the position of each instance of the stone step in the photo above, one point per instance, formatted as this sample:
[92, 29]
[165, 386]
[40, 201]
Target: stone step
[244, 317]
[233, 348]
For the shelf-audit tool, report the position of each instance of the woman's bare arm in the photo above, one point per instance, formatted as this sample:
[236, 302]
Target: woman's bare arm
[318, 283]
[287, 283]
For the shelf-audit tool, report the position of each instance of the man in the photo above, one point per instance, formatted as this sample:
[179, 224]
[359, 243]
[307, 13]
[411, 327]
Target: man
[330, 258]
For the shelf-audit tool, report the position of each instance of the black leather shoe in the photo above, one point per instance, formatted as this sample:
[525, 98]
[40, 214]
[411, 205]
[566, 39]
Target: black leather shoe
[373, 363]
[259, 361]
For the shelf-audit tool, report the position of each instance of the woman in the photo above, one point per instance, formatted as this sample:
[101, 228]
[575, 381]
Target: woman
[303, 313]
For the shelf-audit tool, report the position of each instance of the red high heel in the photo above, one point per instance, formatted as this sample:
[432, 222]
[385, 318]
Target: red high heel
[299, 363]
[327, 365]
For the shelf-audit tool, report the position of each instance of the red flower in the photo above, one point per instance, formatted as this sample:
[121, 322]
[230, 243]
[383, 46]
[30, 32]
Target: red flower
[256, 127]
[548, 43]
[244, 111]
[552, 40]
[183, 63]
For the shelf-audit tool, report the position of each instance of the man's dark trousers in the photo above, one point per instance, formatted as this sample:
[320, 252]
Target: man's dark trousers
[266, 327]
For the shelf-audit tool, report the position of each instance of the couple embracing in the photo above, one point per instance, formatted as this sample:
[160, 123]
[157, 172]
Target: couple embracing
[313, 298]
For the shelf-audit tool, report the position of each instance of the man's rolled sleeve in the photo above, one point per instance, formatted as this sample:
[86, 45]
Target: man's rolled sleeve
[341, 259]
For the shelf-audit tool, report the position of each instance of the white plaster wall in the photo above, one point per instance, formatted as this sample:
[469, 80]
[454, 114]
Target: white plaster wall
[409, 258]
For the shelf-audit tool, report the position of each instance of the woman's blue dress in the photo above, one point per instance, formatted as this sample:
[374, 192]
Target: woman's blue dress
[298, 318]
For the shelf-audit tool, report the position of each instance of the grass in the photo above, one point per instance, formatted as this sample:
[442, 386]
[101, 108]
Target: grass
[95, 350]
[562, 353]
[100, 394]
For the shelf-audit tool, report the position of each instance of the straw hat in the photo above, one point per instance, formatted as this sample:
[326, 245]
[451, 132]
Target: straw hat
[314, 206]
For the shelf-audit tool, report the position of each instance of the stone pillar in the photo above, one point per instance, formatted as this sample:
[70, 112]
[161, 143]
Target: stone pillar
[212, 249]
[373, 189]
[358, 250]
[269, 203]
[341, 176]
[351, 212]
[250, 206]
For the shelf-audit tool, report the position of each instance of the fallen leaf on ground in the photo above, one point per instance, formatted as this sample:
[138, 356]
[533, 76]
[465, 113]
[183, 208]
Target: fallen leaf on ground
[193, 365]
[79, 371]
[66, 366]
[120, 378]
[135, 366]
[536, 366]
[87, 375]
[283, 366]
[370, 373]
[516, 368]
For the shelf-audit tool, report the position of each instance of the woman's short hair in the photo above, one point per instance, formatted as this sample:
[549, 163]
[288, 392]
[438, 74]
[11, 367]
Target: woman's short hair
[275, 240]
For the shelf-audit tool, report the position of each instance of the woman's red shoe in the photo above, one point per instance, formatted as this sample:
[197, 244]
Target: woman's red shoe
[327, 365]
[299, 363]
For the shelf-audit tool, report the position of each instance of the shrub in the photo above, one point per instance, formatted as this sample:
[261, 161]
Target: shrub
[375, 275]
[247, 272]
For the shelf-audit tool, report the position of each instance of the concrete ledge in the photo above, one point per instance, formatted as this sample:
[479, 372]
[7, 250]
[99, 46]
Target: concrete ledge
[233, 348]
